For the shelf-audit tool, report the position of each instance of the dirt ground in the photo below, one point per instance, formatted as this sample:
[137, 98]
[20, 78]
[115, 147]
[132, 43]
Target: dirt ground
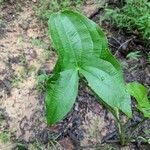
[25, 52]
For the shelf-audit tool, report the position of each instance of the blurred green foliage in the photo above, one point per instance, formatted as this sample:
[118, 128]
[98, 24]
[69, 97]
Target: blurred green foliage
[46, 7]
[2, 1]
[134, 17]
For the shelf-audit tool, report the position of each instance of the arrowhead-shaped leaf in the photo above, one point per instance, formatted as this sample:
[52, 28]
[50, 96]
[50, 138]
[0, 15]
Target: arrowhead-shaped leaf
[82, 47]
[140, 93]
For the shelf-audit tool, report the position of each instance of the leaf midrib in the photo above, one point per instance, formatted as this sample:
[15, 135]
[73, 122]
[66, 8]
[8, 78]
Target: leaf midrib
[68, 42]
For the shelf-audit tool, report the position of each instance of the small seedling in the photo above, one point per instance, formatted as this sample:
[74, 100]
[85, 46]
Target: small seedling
[134, 55]
[5, 137]
[83, 54]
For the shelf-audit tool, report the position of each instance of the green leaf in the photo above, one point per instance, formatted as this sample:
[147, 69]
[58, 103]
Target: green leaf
[82, 46]
[108, 88]
[140, 93]
[61, 94]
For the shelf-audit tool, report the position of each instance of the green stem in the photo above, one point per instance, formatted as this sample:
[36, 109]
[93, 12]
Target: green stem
[121, 128]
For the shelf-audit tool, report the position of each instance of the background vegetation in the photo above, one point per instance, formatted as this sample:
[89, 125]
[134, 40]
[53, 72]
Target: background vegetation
[133, 17]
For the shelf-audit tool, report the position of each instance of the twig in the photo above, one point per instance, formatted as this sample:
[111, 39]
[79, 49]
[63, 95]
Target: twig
[115, 40]
[125, 43]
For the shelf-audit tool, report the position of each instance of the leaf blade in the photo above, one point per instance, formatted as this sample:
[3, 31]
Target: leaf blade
[139, 92]
[61, 95]
[108, 88]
